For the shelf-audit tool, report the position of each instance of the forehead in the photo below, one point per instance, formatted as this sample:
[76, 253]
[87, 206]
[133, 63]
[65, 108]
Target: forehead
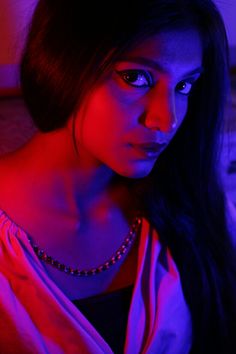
[182, 48]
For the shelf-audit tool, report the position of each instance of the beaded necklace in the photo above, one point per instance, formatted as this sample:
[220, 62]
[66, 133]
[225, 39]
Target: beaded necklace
[125, 246]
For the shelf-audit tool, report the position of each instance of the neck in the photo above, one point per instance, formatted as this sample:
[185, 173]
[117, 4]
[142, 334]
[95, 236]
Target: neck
[70, 202]
[68, 182]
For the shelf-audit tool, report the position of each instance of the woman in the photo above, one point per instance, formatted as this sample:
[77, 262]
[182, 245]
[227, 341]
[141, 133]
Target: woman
[113, 227]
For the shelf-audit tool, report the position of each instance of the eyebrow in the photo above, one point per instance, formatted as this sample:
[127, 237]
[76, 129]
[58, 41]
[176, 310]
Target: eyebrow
[155, 65]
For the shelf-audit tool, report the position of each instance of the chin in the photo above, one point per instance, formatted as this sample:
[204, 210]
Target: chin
[135, 172]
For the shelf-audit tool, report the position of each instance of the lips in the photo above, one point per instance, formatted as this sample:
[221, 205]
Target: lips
[150, 146]
[149, 149]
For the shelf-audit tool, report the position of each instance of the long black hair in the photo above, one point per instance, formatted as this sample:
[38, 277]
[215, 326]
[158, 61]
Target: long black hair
[70, 47]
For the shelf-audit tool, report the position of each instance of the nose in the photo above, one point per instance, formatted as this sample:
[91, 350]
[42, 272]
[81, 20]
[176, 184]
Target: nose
[160, 109]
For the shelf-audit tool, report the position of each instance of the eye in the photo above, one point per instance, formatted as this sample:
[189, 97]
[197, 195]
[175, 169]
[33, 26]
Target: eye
[184, 87]
[136, 78]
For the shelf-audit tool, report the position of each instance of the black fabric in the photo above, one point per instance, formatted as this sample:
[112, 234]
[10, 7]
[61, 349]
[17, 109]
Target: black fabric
[108, 313]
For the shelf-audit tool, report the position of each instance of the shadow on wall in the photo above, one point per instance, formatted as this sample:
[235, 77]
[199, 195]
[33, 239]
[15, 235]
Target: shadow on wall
[14, 18]
[16, 126]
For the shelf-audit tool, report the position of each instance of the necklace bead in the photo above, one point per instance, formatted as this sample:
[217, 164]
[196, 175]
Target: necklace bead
[129, 239]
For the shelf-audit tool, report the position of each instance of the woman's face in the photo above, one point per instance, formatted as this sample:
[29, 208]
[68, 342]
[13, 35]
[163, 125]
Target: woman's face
[130, 118]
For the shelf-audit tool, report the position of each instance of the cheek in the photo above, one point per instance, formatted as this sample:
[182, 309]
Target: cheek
[104, 120]
[106, 115]
[181, 107]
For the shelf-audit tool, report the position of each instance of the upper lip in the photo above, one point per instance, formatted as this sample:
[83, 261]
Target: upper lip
[150, 146]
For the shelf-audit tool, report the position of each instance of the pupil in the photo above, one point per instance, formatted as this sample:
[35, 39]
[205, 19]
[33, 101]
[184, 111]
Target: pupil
[132, 77]
[182, 85]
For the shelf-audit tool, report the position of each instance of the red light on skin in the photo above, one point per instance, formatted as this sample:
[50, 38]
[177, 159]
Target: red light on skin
[149, 150]
[142, 100]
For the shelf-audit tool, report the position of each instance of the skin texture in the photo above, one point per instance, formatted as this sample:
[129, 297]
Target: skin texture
[119, 114]
[70, 204]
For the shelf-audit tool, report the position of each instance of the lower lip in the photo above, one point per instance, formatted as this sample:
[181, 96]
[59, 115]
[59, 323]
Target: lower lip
[146, 153]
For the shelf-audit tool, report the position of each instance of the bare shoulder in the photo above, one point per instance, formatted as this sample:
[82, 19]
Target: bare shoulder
[6, 166]
[4, 170]
[9, 179]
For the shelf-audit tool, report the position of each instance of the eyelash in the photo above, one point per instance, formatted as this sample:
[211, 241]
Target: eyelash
[148, 77]
[187, 85]
[150, 82]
